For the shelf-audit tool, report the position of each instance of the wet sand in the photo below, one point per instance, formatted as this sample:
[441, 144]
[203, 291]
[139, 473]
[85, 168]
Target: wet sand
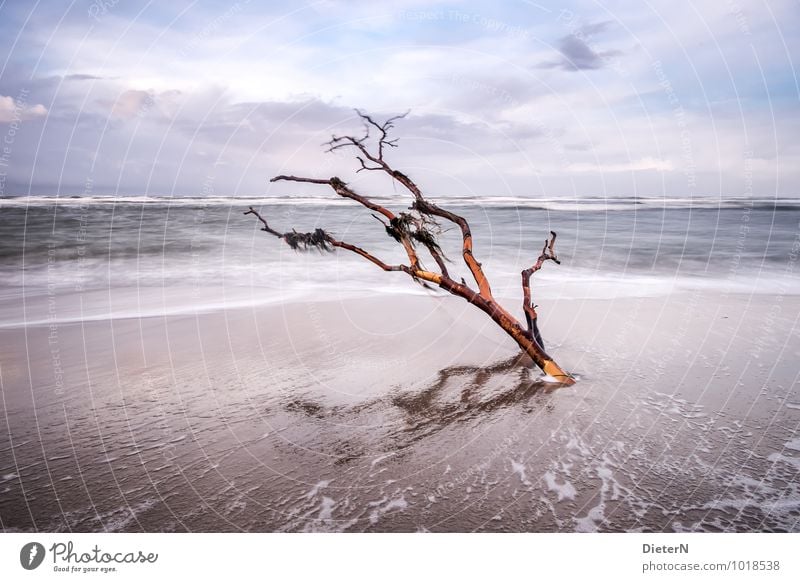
[405, 413]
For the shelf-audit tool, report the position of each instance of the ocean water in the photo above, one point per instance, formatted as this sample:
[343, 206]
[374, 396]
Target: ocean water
[143, 255]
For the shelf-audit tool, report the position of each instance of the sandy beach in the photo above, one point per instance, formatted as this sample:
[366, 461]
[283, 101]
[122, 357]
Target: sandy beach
[404, 413]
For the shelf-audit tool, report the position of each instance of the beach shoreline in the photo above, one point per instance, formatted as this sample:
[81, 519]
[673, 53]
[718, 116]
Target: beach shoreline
[406, 413]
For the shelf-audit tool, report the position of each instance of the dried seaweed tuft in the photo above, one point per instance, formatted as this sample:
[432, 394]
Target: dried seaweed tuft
[303, 241]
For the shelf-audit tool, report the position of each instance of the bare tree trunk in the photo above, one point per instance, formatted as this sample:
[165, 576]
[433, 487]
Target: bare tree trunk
[512, 327]
[420, 227]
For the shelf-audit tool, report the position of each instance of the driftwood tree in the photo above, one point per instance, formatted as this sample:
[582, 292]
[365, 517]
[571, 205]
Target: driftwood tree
[418, 229]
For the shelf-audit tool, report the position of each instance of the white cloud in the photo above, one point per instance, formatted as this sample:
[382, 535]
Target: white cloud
[12, 110]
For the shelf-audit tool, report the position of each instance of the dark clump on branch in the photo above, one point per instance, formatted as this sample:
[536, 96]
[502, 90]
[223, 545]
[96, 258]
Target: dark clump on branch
[398, 226]
[426, 238]
[318, 239]
[420, 228]
[416, 228]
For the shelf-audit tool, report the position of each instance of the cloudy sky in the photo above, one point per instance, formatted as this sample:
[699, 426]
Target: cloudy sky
[576, 98]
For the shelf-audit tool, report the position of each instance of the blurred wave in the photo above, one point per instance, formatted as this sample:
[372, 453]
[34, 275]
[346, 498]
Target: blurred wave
[209, 251]
[583, 204]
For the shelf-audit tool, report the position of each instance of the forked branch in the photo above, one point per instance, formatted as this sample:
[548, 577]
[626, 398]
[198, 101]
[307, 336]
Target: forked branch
[547, 254]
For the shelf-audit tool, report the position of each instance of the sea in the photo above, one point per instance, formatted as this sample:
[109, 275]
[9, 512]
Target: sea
[148, 252]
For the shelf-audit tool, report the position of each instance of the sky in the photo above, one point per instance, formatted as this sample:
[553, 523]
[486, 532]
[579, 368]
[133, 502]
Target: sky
[513, 98]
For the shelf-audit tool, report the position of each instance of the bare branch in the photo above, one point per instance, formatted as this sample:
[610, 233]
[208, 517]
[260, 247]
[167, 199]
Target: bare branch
[343, 141]
[547, 254]
[264, 222]
[383, 128]
[364, 165]
[438, 257]
[368, 256]
[341, 189]
[298, 179]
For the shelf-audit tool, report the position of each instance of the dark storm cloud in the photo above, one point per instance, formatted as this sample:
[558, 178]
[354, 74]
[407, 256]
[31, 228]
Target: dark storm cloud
[578, 53]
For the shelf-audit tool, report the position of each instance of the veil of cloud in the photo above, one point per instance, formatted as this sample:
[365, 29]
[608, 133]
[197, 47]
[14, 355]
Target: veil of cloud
[517, 98]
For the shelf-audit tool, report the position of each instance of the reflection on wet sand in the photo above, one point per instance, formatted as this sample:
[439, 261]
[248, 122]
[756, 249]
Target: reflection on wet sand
[459, 393]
